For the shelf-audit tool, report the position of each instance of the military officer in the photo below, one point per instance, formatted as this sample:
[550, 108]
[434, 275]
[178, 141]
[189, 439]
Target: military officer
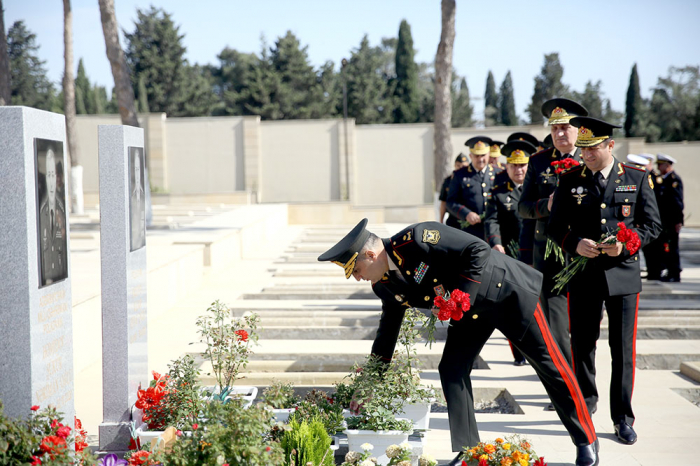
[654, 251]
[502, 222]
[522, 136]
[637, 160]
[590, 201]
[547, 142]
[495, 155]
[429, 259]
[470, 189]
[669, 190]
[535, 203]
[52, 228]
[460, 161]
[649, 166]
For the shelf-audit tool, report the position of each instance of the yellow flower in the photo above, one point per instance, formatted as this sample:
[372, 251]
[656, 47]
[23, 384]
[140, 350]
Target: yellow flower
[524, 462]
[484, 457]
[506, 461]
[506, 446]
[526, 456]
[488, 448]
[516, 455]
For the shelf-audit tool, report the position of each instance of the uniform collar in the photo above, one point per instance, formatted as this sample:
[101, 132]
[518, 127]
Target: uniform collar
[606, 171]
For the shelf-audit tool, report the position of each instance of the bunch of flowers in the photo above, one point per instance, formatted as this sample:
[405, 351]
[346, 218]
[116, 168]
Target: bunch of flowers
[399, 455]
[513, 451]
[564, 164]
[150, 401]
[450, 306]
[354, 458]
[629, 238]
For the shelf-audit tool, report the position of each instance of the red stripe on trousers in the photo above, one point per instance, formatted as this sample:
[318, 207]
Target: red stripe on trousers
[634, 346]
[561, 365]
[571, 344]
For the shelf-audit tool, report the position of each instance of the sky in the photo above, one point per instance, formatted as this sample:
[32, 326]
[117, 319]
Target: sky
[596, 39]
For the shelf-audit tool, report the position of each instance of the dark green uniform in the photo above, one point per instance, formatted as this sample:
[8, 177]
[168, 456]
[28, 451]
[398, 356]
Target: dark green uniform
[669, 194]
[470, 191]
[52, 241]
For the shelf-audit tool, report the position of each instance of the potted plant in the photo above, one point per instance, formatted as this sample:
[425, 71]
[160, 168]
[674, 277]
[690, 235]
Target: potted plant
[281, 398]
[229, 342]
[318, 404]
[307, 443]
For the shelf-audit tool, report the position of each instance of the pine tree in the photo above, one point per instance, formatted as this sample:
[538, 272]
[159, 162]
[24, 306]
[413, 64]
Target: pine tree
[406, 87]
[548, 85]
[506, 103]
[462, 110]
[99, 94]
[591, 98]
[368, 99]
[490, 102]
[29, 84]
[633, 105]
[83, 100]
[142, 96]
[231, 81]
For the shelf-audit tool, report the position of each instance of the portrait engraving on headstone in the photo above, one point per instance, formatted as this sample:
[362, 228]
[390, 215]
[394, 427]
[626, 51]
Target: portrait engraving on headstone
[51, 211]
[137, 198]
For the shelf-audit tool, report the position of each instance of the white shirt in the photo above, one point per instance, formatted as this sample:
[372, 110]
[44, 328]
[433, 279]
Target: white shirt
[606, 170]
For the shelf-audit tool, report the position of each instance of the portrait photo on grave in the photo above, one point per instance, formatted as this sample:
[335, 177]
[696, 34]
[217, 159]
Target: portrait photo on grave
[137, 198]
[51, 211]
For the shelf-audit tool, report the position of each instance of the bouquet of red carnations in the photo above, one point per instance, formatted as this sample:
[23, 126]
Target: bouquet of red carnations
[450, 306]
[564, 164]
[629, 238]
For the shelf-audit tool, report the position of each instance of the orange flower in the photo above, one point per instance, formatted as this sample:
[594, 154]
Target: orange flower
[506, 461]
[139, 458]
[499, 440]
[488, 448]
[525, 445]
[242, 335]
[52, 445]
[516, 455]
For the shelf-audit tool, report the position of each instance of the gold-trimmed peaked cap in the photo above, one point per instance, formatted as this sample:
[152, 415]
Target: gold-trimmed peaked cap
[345, 252]
[479, 145]
[495, 150]
[592, 131]
[559, 111]
[522, 136]
[518, 151]
[461, 158]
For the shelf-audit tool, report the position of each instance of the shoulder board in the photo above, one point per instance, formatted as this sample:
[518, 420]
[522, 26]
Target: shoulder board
[632, 167]
[403, 238]
[543, 151]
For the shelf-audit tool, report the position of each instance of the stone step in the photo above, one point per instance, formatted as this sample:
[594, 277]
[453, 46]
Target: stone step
[310, 295]
[691, 369]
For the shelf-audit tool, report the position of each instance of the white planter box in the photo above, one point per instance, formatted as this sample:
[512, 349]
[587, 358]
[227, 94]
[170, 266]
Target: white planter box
[380, 440]
[282, 414]
[245, 392]
[145, 435]
[419, 413]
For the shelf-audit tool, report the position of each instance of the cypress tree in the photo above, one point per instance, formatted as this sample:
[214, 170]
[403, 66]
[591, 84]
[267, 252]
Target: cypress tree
[406, 85]
[142, 96]
[633, 105]
[83, 102]
[490, 102]
[462, 110]
[548, 85]
[506, 103]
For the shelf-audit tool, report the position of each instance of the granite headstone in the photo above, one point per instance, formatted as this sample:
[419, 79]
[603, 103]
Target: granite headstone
[36, 333]
[123, 257]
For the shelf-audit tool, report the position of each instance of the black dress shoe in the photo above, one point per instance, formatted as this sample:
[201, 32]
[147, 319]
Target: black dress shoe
[550, 407]
[625, 433]
[593, 409]
[587, 455]
[519, 363]
[457, 461]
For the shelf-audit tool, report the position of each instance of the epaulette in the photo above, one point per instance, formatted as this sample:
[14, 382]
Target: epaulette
[406, 238]
[633, 167]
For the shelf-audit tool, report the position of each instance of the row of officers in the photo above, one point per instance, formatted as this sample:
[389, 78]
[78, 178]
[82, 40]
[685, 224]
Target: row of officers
[552, 201]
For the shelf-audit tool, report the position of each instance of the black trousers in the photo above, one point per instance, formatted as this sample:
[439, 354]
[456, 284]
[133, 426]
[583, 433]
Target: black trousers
[653, 257]
[585, 315]
[671, 254]
[466, 338]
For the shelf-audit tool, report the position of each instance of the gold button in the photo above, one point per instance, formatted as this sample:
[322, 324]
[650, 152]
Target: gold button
[635, 258]
[475, 316]
[434, 280]
[427, 298]
[394, 243]
[483, 185]
[499, 285]
[627, 200]
[602, 206]
[408, 272]
[538, 231]
[603, 221]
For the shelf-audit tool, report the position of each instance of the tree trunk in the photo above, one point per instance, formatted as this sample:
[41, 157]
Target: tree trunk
[74, 187]
[442, 145]
[115, 54]
[5, 92]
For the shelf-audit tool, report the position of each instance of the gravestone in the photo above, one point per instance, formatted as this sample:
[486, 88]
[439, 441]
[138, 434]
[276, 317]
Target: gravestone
[36, 330]
[123, 257]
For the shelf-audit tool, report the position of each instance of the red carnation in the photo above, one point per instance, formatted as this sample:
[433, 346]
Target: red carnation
[139, 458]
[149, 398]
[52, 444]
[35, 460]
[242, 335]
[35, 408]
[63, 431]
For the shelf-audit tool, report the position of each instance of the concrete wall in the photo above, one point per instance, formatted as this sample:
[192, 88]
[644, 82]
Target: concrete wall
[86, 128]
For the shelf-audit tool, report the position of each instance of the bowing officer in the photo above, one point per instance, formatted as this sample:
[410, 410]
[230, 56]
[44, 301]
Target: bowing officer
[495, 155]
[470, 189]
[669, 194]
[502, 223]
[536, 202]
[460, 161]
[429, 259]
[590, 201]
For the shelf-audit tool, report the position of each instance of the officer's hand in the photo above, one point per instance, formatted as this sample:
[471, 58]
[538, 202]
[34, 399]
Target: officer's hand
[550, 201]
[587, 248]
[678, 227]
[473, 218]
[612, 250]
[499, 248]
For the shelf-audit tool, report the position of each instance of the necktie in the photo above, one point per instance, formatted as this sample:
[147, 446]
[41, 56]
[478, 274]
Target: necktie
[51, 222]
[599, 183]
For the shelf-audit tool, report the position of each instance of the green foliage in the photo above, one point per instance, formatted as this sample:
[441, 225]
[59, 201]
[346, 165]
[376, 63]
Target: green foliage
[142, 96]
[674, 106]
[491, 102]
[29, 84]
[83, 91]
[406, 81]
[506, 103]
[307, 443]
[317, 404]
[343, 394]
[280, 395]
[462, 110]
[548, 85]
[634, 106]
[182, 402]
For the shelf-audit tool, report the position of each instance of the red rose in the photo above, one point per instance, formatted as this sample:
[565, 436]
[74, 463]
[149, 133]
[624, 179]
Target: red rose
[52, 444]
[195, 426]
[35, 460]
[63, 431]
[242, 335]
[139, 458]
[149, 398]
[35, 408]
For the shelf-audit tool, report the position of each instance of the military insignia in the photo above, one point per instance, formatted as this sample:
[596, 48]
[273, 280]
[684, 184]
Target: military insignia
[558, 112]
[408, 235]
[618, 181]
[398, 298]
[674, 184]
[626, 210]
[398, 258]
[659, 180]
[622, 170]
[626, 188]
[439, 290]
[431, 236]
[579, 193]
[651, 183]
[420, 272]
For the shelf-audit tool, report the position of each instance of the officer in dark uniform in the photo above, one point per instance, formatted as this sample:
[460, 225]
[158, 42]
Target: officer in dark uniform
[535, 203]
[429, 259]
[502, 222]
[470, 188]
[460, 161]
[547, 142]
[590, 201]
[669, 194]
[522, 136]
[653, 252]
[495, 155]
[52, 228]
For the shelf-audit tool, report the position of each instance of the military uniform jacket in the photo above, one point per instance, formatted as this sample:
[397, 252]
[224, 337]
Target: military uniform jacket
[470, 191]
[433, 259]
[502, 221]
[578, 213]
[669, 195]
[53, 242]
[451, 220]
[540, 182]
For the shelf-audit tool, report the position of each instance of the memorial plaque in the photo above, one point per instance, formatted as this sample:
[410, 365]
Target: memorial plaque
[36, 334]
[123, 257]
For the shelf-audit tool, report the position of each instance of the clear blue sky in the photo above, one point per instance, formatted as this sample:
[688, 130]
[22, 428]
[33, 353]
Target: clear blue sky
[596, 39]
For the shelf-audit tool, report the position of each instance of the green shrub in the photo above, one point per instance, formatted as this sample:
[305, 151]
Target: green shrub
[307, 442]
[280, 395]
[317, 404]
